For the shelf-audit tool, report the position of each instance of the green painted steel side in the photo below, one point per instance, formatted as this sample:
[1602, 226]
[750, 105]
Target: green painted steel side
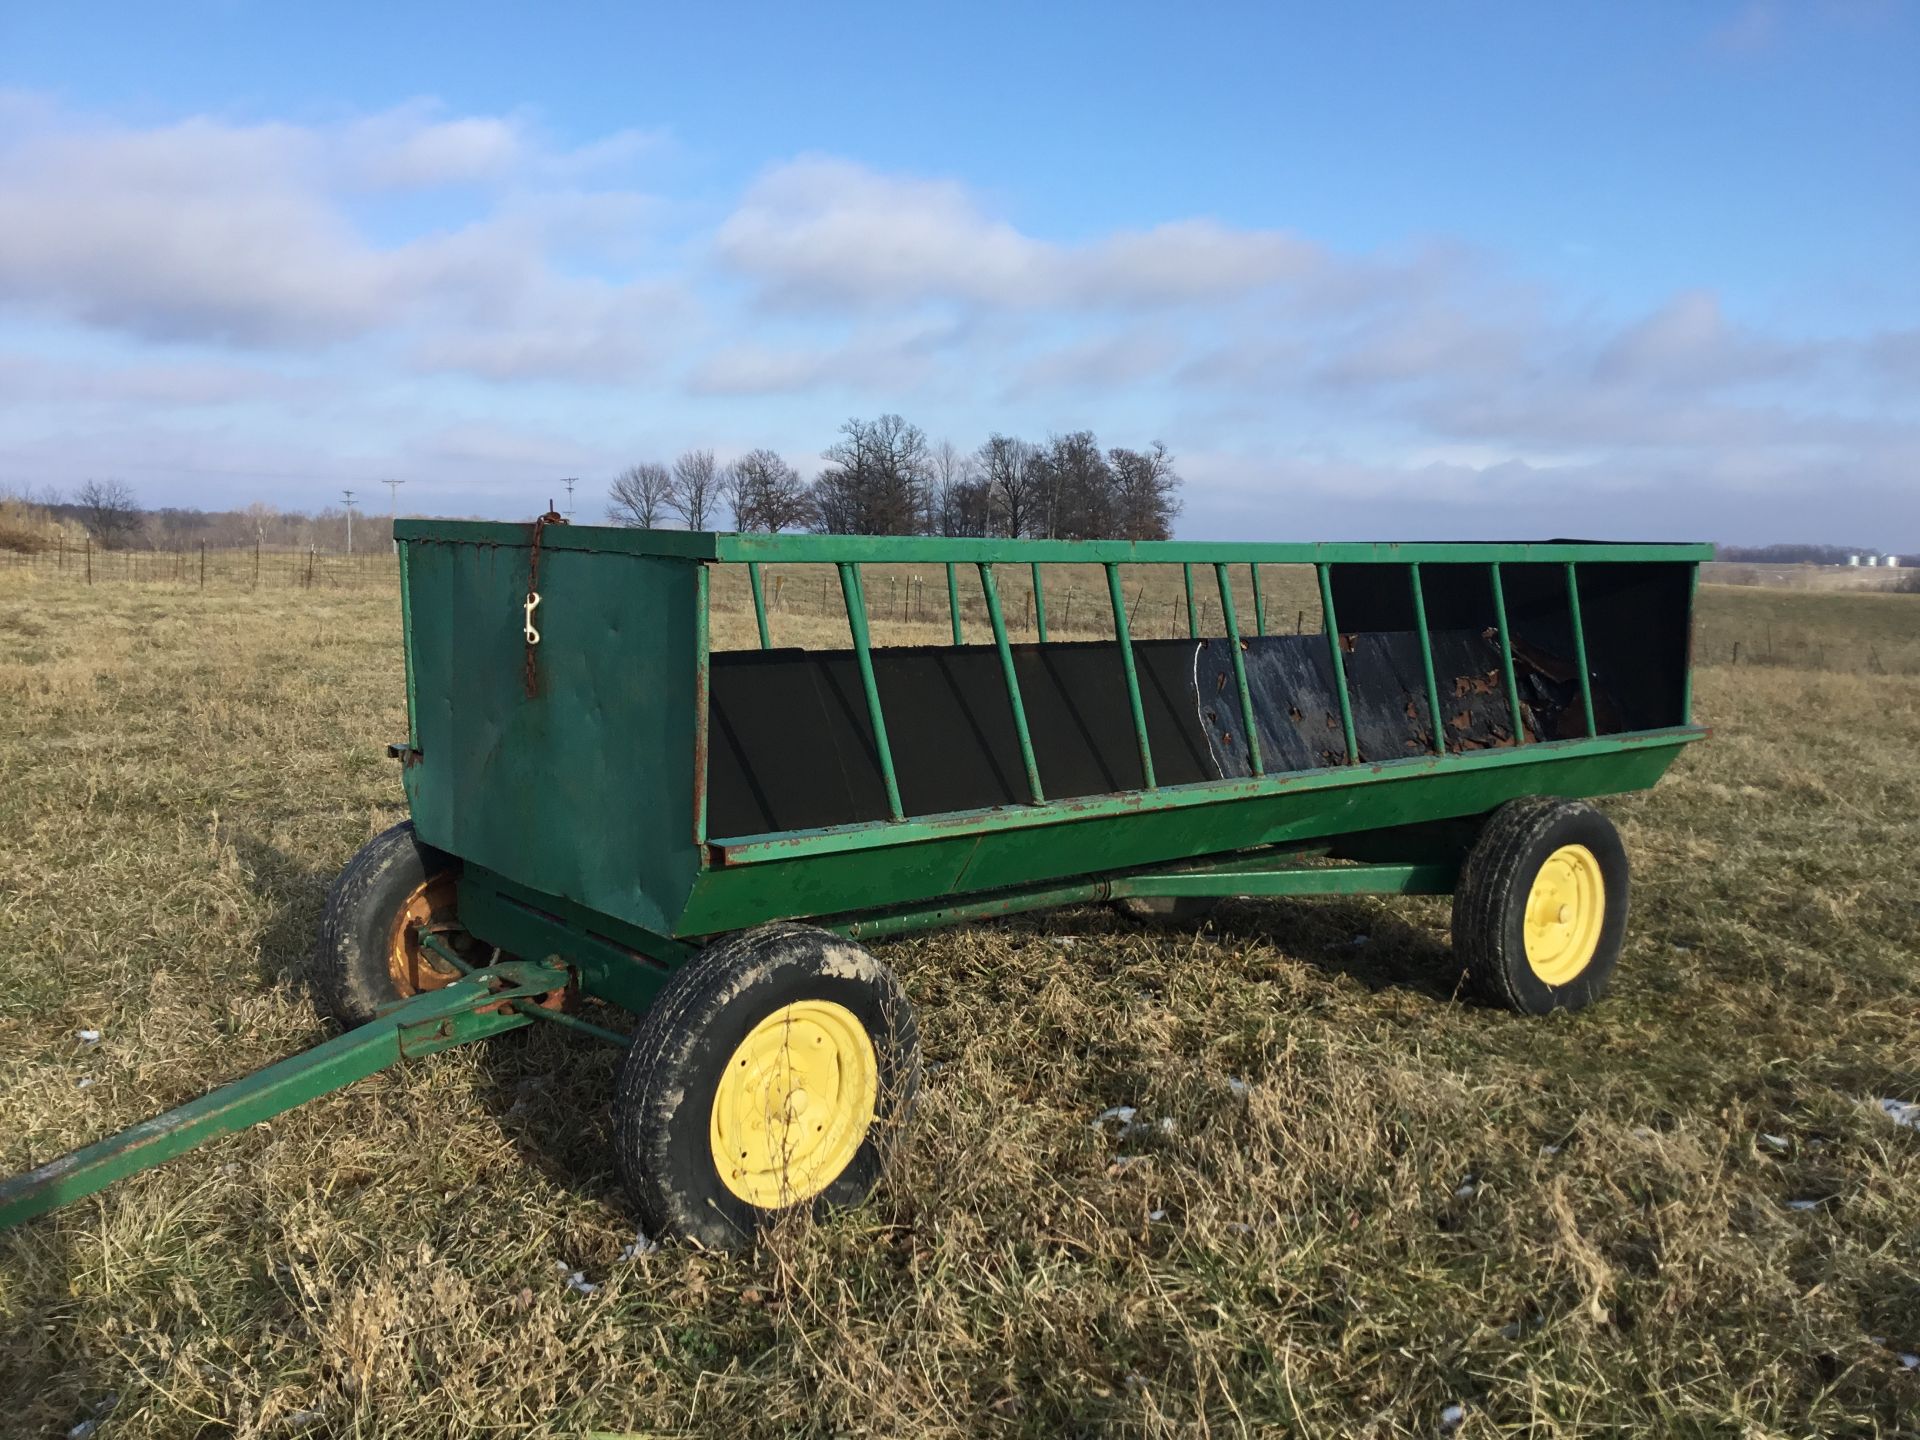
[1282, 880]
[929, 550]
[859, 868]
[420, 1026]
[586, 789]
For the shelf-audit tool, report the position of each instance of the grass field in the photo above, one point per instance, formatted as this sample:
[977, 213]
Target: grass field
[1681, 1213]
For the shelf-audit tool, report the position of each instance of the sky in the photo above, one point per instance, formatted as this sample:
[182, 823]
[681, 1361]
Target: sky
[1434, 270]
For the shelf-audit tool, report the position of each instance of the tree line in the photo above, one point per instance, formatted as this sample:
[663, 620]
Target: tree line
[884, 477]
[108, 513]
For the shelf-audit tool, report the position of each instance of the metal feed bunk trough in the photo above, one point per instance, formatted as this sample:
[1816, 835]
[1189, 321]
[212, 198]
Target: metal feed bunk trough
[602, 806]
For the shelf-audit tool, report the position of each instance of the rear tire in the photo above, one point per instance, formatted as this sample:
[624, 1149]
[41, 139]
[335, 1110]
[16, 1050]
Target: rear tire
[773, 1074]
[367, 957]
[1540, 912]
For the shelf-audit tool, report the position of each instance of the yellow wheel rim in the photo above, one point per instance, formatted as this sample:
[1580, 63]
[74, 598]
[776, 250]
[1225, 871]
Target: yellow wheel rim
[1565, 910]
[794, 1104]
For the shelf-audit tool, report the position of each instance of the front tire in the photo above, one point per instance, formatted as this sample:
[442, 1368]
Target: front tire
[368, 956]
[774, 1073]
[1540, 912]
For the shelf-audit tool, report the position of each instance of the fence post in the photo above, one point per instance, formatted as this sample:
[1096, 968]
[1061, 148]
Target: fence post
[89, 559]
[203, 564]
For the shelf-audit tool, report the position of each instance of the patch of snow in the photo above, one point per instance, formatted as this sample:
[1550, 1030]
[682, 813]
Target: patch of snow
[579, 1284]
[1910, 1361]
[1803, 1204]
[1238, 1087]
[1452, 1418]
[1775, 1142]
[88, 1037]
[1467, 1188]
[1156, 1215]
[1117, 1114]
[643, 1244]
[85, 1082]
[1902, 1112]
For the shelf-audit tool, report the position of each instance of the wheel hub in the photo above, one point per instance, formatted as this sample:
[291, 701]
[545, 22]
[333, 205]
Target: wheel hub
[1566, 908]
[794, 1104]
[433, 903]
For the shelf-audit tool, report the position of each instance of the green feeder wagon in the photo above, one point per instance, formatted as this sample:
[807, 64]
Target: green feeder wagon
[603, 805]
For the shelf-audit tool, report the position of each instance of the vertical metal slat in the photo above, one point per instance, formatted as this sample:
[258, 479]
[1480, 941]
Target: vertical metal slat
[1332, 624]
[1123, 637]
[406, 642]
[855, 596]
[953, 604]
[1259, 601]
[1251, 730]
[1580, 647]
[1426, 660]
[759, 604]
[1686, 675]
[1039, 604]
[999, 623]
[702, 688]
[1193, 625]
[1506, 654]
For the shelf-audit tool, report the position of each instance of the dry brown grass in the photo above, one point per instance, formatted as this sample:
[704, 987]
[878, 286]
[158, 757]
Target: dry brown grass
[183, 773]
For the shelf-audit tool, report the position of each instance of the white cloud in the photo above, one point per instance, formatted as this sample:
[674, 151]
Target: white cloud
[252, 235]
[825, 232]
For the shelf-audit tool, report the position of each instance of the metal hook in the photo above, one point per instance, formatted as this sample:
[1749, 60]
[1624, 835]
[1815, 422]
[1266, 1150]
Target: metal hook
[533, 599]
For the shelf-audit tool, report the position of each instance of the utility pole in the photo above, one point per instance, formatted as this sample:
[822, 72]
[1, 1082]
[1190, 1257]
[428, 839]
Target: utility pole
[349, 500]
[393, 494]
[570, 481]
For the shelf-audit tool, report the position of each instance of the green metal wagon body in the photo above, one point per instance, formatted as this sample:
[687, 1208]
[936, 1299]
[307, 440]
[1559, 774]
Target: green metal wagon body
[613, 793]
[583, 797]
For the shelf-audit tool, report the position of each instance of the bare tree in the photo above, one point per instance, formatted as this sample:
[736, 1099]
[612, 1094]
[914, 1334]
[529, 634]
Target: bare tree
[639, 495]
[1146, 493]
[878, 480]
[108, 510]
[1074, 486]
[766, 493]
[959, 492]
[1006, 464]
[695, 488]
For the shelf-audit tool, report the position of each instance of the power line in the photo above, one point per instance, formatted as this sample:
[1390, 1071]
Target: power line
[393, 514]
[570, 481]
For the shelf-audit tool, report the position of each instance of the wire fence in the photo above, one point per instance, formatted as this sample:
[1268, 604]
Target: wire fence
[206, 567]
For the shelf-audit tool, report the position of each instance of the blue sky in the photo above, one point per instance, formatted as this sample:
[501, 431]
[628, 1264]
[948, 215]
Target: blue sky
[1393, 270]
